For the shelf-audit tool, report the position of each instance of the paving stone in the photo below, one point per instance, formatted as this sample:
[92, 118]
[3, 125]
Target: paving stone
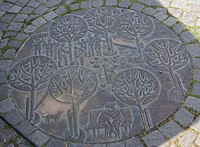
[5, 6]
[170, 21]
[3, 92]
[69, 1]
[160, 16]
[197, 74]
[187, 36]
[5, 64]
[175, 12]
[30, 29]
[55, 143]
[27, 10]
[194, 49]
[11, 145]
[137, 7]
[149, 11]
[196, 89]
[192, 7]
[10, 53]
[170, 129]
[32, 17]
[10, 34]
[13, 117]
[187, 139]
[22, 2]
[51, 15]
[178, 3]
[163, 10]
[3, 77]
[154, 138]
[165, 4]
[15, 9]
[196, 124]
[7, 17]
[4, 42]
[6, 105]
[124, 4]
[15, 26]
[33, 4]
[111, 2]
[86, 5]
[198, 141]
[15, 43]
[12, 1]
[188, 18]
[116, 144]
[3, 26]
[97, 3]
[38, 138]
[52, 3]
[198, 22]
[192, 102]
[25, 128]
[41, 9]
[196, 62]
[184, 117]
[60, 10]
[74, 6]
[1, 14]
[20, 17]
[21, 36]
[39, 22]
[178, 28]
[133, 142]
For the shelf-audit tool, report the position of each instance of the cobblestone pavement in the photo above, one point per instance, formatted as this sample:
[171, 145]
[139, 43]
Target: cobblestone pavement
[20, 18]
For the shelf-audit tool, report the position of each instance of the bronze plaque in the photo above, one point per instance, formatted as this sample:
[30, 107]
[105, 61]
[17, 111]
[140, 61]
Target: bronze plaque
[100, 75]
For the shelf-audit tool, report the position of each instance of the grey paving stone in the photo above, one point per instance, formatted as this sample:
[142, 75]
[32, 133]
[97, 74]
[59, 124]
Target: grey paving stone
[187, 139]
[165, 3]
[175, 12]
[111, 2]
[39, 22]
[196, 124]
[196, 89]
[117, 144]
[198, 141]
[25, 128]
[55, 143]
[33, 4]
[86, 5]
[178, 3]
[124, 4]
[15, 9]
[154, 138]
[74, 6]
[32, 17]
[192, 7]
[192, 102]
[170, 21]
[38, 138]
[160, 16]
[6, 105]
[21, 2]
[13, 117]
[10, 53]
[3, 92]
[133, 142]
[188, 18]
[196, 62]
[52, 3]
[137, 7]
[194, 49]
[197, 74]
[184, 117]
[3, 26]
[5, 64]
[4, 42]
[15, 43]
[12, 1]
[41, 9]
[3, 77]
[11, 145]
[15, 26]
[10, 34]
[198, 22]
[27, 10]
[60, 10]
[97, 3]
[21, 36]
[51, 15]
[7, 17]
[163, 10]
[20, 17]
[5, 6]
[30, 29]
[178, 28]
[149, 11]
[170, 129]
[69, 1]
[187, 36]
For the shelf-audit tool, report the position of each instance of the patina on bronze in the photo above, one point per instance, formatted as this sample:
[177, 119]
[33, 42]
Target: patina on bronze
[100, 75]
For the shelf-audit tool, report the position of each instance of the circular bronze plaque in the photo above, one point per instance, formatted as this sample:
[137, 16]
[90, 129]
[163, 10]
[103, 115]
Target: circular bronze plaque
[100, 75]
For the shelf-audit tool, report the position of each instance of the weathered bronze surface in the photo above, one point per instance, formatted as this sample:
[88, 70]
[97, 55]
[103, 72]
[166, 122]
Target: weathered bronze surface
[100, 75]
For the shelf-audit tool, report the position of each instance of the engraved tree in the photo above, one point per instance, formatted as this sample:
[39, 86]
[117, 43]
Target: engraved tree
[137, 87]
[168, 55]
[134, 26]
[67, 29]
[101, 21]
[72, 85]
[32, 74]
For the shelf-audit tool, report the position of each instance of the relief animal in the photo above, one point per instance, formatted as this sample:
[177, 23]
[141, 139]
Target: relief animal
[54, 116]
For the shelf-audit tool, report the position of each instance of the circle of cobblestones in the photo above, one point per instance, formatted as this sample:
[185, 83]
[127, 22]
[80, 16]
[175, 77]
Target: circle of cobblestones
[18, 32]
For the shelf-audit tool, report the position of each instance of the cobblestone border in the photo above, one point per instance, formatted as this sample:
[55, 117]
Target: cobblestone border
[18, 32]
